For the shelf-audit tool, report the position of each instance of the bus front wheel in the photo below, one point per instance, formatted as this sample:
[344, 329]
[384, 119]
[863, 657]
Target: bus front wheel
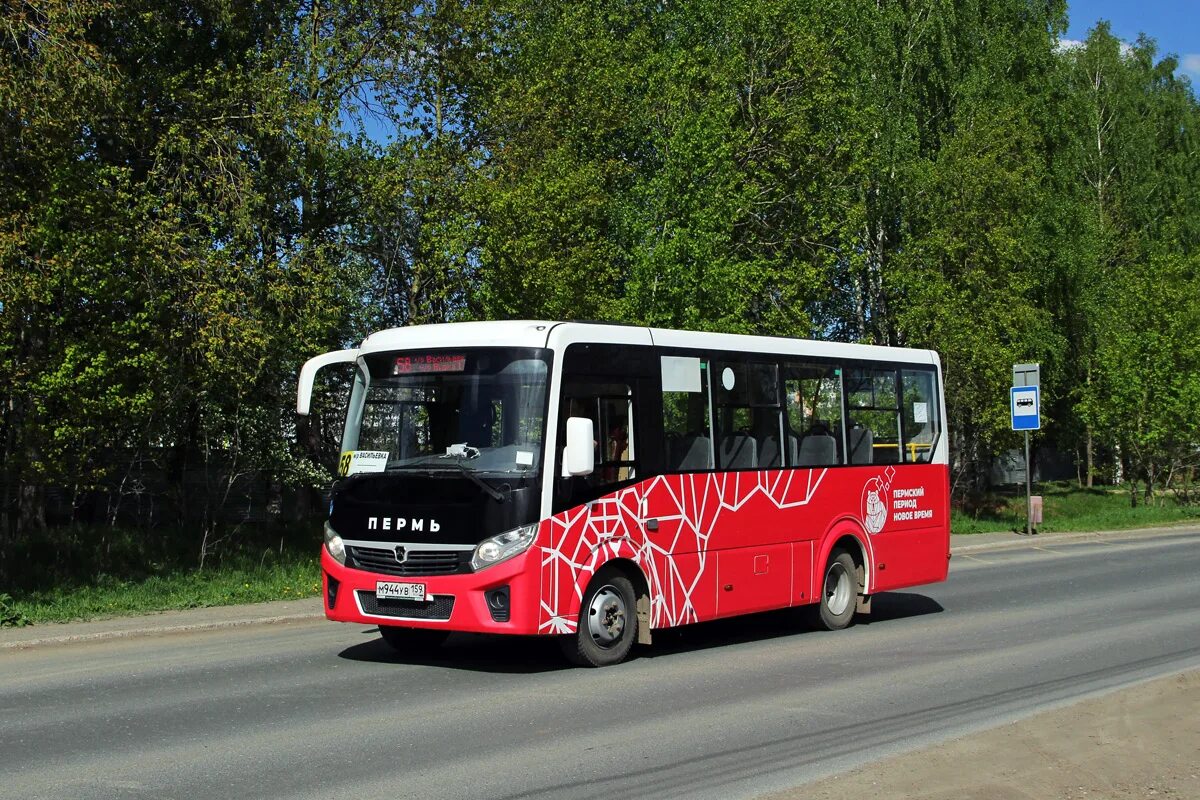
[607, 622]
[839, 592]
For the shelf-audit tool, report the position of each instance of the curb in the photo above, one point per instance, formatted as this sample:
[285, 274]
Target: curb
[1021, 540]
[147, 631]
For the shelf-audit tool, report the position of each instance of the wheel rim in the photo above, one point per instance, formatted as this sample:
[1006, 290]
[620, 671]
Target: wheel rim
[838, 590]
[606, 616]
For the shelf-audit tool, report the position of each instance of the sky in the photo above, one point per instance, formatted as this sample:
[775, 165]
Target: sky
[1174, 24]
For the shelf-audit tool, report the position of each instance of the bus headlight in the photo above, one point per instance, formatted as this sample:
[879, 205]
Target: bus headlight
[503, 546]
[335, 545]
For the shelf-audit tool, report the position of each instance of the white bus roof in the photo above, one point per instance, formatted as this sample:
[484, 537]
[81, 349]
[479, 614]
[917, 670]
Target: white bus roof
[516, 333]
[557, 335]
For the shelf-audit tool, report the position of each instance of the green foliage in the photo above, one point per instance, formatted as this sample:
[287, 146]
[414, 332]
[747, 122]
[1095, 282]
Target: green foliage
[293, 577]
[1068, 507]
[10, 615]
[1128, 188]
[195, 197]
[172, 244]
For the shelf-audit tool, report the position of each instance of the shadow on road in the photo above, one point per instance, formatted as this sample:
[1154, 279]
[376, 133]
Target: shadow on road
[536, 654]
[887, 607]
[467, 651]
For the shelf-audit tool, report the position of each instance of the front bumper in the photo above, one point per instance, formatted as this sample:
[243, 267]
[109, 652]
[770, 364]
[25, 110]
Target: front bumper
[459, 602]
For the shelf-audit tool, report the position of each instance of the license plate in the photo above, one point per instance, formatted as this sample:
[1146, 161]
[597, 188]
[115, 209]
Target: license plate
[391, 590]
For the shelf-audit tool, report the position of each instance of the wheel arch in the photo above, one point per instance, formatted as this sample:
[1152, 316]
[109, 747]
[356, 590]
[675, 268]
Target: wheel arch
[848, 534]
[623, 555]
[632, 570]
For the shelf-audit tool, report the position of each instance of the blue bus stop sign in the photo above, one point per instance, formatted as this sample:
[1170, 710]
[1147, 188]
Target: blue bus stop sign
[1025, 405]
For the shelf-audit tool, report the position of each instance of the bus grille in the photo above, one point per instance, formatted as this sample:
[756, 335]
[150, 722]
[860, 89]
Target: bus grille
[415, 564]
[438, 608]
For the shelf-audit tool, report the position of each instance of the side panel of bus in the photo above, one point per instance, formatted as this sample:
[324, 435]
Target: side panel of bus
[718, 544]
[715, 541]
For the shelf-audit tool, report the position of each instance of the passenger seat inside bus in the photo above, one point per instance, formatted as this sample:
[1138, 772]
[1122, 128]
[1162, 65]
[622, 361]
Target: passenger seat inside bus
[694, 453]
[862, 442]
[768, 450]
[817, 449]
[739, 451]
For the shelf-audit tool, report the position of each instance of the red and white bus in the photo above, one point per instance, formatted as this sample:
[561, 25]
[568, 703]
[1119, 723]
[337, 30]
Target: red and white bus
[597, 482]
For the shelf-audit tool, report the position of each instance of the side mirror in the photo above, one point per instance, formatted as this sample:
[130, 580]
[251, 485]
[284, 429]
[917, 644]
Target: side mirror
[308, 374]
[579, 456]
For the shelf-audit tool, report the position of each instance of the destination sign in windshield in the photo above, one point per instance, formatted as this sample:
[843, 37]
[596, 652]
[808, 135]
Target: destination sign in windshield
[429, 362]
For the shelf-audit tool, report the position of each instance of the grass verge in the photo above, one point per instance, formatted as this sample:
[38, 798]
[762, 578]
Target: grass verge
[289, 578]
[1067, 507]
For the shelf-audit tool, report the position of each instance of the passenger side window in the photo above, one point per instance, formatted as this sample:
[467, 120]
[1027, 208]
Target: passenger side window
[814, 414]
[610, 408]
[687, 422]
[874, 433]
[749, 417]
[921, 415]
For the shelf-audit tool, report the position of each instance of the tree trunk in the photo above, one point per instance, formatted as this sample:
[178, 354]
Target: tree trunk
[1091, 465]
[1131, 476]
[31, 507]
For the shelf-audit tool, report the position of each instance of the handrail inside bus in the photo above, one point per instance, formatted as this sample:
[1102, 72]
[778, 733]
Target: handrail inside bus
[912, 447]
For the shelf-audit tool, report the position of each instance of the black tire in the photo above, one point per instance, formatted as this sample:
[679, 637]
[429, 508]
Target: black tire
[412, 640]
[839, 592]
[607, 622]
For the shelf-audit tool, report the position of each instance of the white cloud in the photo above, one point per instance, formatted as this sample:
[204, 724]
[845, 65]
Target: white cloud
[1065, 45]
[1189, 67]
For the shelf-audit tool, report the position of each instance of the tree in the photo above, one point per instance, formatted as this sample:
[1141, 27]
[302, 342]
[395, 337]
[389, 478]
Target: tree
[1129, 172]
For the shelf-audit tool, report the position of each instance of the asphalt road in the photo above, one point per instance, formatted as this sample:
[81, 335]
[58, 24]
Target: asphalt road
[724, 710]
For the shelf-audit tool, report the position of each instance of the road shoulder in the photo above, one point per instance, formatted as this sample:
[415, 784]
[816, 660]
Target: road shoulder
[166, 622]
[1138, 742]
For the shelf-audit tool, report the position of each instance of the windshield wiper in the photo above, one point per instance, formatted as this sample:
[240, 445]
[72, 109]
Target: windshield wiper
[431, 464]
[492, 491]
[433, 469]
[460, 451]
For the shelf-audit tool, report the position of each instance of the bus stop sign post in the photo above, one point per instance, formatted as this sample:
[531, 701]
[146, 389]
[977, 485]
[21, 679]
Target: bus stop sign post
[1025, 407]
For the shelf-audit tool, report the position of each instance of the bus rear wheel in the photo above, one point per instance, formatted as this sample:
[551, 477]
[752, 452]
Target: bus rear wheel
[839, 592]
[412, 640]
[607, 622]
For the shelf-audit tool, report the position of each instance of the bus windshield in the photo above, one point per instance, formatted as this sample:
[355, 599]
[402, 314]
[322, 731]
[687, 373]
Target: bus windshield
[481, 410]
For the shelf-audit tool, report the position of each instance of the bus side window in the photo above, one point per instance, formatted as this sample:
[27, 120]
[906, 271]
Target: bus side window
[687, 422]
[609, 405]
[616, 459]
[813, 393]
[874, 407]
[748, 414]
[920, 415]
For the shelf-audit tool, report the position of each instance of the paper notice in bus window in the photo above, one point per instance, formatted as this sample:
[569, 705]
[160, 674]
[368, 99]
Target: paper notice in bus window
[353, 462]
[920, 413]
[680, 374]
[524, 458]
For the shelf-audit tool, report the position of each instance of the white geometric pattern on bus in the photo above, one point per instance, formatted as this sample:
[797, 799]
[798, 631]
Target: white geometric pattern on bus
[584, 538]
